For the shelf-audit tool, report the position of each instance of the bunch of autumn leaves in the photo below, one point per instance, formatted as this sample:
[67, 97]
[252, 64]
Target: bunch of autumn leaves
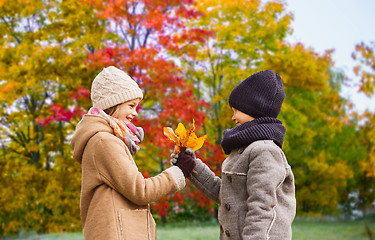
[184, 138]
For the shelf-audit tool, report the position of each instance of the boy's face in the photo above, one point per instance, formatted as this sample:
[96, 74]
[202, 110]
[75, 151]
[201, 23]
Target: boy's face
[240, 117]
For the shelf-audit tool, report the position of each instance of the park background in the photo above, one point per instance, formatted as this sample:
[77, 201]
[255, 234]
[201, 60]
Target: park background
[187, 57]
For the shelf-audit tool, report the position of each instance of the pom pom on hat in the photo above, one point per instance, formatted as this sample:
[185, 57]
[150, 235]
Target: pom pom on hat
[113, 86]
[260, 95]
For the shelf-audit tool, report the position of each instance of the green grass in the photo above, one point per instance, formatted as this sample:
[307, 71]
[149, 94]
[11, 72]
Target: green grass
[332, 230]
[191, 231]
[303, 229]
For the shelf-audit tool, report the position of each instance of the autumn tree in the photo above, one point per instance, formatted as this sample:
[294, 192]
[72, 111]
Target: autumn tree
[364, 167]
[43, 45]
[250, 36]
[187, 57]
[149, 39]
[244, 31]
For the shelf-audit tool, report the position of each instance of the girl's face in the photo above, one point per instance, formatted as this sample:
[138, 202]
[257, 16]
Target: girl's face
[240, 117]
[127, 110]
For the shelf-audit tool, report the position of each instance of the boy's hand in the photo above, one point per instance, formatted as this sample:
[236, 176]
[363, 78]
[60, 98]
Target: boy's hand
[174, 156]
[185, 161]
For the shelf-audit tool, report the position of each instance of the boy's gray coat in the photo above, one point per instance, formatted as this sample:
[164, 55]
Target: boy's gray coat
[256, 194]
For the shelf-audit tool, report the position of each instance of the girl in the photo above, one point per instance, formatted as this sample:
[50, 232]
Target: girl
[115, 197]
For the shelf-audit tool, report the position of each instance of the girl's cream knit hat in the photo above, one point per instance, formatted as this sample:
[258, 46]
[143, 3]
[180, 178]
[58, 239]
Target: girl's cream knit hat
[113, 86]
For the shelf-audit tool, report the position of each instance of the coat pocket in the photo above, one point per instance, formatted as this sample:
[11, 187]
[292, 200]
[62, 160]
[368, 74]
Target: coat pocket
[136, 224]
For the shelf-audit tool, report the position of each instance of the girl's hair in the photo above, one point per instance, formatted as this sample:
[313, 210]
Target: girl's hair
[112, 110]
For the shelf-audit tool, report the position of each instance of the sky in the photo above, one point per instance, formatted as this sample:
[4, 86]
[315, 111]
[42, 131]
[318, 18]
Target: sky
[339, 25]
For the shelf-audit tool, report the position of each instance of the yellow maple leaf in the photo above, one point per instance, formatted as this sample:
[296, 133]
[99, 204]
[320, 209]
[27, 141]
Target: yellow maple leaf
[184, 138]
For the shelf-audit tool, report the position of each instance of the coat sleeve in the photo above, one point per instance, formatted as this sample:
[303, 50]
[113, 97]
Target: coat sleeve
[117, 169]
[206, 181]
[266, 173]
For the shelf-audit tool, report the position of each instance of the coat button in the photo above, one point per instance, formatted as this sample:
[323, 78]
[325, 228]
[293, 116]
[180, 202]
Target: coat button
[230, 179]
[221, 229]
[227, 233]
[227, 206]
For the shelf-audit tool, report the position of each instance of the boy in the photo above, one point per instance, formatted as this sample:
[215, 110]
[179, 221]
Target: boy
[256, 194]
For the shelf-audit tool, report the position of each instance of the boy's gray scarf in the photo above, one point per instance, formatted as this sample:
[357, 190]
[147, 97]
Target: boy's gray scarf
[264, 128]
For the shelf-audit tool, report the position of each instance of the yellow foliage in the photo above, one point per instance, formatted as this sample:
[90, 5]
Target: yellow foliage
[184, 138]
[300, 67]
[368, 165]
[364, 54]
[33, 197]
[217, 98]
[320, 187]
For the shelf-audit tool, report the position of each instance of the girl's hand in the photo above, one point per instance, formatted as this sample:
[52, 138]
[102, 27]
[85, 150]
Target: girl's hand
[188, 151]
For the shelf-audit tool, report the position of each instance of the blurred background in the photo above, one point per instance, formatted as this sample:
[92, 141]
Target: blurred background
[187, 57]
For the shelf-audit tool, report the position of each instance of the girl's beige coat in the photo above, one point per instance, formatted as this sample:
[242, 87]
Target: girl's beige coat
[114, 194]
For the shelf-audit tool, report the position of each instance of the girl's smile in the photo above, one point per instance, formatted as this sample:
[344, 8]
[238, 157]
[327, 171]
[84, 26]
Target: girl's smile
[127, 110]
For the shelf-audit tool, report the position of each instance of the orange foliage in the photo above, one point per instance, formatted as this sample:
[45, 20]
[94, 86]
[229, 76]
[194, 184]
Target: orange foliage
[183, 138]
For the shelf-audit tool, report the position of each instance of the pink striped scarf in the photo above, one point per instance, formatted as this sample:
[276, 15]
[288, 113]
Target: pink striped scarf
[124, 130]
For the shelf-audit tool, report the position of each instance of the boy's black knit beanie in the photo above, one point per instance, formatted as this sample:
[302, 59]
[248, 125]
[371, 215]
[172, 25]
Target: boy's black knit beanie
[260, 95]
